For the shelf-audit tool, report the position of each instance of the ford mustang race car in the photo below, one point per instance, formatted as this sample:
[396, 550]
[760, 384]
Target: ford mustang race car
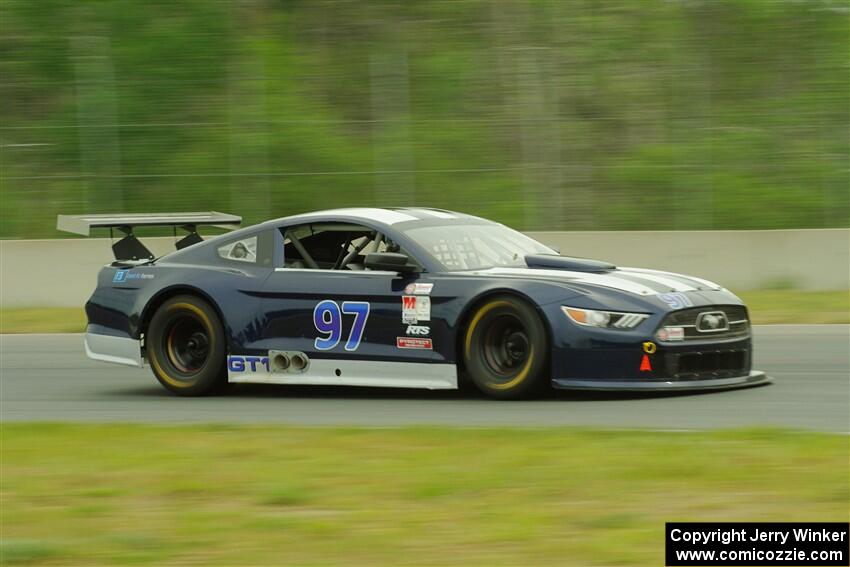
[402, 297]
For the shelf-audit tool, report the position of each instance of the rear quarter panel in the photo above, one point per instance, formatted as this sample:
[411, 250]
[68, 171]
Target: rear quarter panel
[122, 305]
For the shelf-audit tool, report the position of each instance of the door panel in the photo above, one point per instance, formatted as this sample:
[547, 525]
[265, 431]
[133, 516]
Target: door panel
[344, 314]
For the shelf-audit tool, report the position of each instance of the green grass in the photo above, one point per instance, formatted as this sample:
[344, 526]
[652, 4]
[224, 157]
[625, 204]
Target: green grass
[43, 320]
[766, 307]
[791, 306]
[217, 495]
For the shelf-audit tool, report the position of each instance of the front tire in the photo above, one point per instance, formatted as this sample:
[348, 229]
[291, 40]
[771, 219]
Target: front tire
[505, 348]
[186, 347]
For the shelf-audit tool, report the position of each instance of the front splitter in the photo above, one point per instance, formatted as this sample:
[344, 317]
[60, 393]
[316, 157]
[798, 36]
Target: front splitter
[755, 378]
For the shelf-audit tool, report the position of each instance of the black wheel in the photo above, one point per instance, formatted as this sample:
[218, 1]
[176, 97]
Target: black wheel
[186, 347]
[505, 348]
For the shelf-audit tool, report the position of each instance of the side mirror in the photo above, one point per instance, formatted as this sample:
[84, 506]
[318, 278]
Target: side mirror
[389, 261]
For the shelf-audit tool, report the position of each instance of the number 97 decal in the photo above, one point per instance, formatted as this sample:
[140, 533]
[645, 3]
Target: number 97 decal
[327, 318]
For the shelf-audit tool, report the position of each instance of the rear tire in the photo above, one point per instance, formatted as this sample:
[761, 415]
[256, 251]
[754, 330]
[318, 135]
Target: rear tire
[186, 347]
[505, 348]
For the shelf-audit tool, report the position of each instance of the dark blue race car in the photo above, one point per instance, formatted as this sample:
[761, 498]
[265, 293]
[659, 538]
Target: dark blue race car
[403, 297]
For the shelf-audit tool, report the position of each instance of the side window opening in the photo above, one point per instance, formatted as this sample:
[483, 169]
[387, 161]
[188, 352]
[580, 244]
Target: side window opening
[332, 246]
[326, 246]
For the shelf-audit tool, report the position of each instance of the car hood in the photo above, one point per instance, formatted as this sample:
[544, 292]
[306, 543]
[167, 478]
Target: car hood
[637, 281]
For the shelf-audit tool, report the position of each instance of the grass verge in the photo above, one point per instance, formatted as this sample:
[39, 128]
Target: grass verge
[790, 306]
[766, 307]
[216, 495]
[43, 320]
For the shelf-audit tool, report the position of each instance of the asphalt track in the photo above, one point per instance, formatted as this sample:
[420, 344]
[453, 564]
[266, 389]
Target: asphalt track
[49, 378]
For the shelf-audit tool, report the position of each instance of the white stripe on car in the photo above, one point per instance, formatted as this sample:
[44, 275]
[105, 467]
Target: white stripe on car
[700, 281]
[603, 280]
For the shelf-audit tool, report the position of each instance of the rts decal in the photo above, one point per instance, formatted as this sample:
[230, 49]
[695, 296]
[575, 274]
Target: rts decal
[414, 342]
[418, 330]
[327, 318]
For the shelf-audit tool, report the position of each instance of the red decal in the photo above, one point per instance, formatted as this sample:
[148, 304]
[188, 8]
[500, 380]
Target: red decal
[414, 342]
[408, 302]
[645, 366]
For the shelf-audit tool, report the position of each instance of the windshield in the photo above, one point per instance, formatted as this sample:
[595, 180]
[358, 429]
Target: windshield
[475, 247]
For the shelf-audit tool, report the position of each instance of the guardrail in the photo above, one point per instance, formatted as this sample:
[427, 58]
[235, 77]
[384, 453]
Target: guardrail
[61, 273]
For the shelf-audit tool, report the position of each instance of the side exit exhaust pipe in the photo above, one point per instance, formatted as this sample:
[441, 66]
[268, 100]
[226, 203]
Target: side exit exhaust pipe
[285, 361]
[299, 362]
[280, 362]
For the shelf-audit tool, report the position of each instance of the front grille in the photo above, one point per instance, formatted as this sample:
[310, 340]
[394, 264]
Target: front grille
[736, 315]
[708, 364]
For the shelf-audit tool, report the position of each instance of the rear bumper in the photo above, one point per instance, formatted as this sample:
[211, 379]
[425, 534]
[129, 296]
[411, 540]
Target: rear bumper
[754, 378]
[113, 348]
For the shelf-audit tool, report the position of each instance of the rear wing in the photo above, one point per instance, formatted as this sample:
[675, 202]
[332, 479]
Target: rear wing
[129, 247]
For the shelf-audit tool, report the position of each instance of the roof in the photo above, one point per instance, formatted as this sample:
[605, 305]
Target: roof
[387, 216]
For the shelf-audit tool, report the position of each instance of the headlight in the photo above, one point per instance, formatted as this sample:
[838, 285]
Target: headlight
[604, 319]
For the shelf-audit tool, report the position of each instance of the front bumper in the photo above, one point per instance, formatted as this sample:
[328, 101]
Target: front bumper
[754, 378]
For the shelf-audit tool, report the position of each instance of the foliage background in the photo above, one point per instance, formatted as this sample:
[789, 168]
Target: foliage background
[552, 114]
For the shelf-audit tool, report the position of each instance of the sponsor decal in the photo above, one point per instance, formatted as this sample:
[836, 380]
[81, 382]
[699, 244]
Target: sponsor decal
[423, 308]
[415, 308]
[418, 330]
[671, 334]
[127, 275]
[676, 300]
[408, 309]
[247, 363]
[419, 289]
[414, 342]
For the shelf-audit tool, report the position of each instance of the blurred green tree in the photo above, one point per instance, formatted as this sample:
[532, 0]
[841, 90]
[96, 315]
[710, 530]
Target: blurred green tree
[551, 114]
